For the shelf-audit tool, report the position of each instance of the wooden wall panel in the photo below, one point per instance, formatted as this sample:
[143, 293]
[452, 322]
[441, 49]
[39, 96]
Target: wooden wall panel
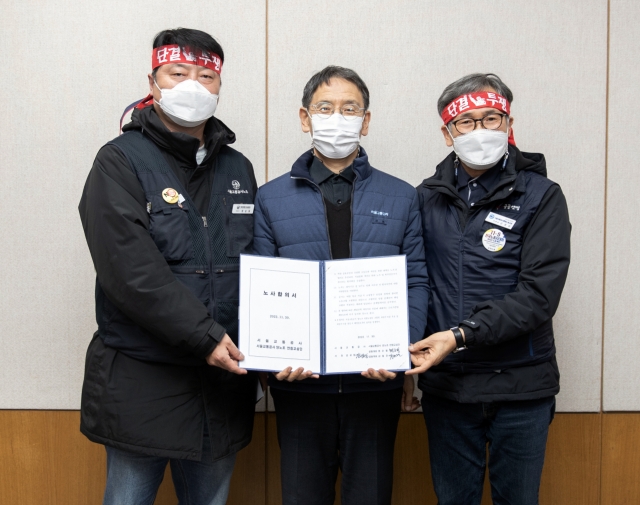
[412, 471]
[620, 459]
[46, 461]
[571, 473]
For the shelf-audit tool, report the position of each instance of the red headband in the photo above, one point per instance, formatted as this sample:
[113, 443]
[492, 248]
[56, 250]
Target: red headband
[472, 101]
[166, 55]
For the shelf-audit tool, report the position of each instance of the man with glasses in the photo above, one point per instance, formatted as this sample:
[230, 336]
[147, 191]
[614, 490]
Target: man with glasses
[332, 205]
[497, 249]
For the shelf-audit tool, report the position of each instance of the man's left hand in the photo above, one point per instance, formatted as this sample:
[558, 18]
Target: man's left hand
[226, 356]
[381, 375]
[431, 351]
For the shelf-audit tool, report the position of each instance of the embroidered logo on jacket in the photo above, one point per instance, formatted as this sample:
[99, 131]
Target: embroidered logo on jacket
[380, 213]
[236, 188]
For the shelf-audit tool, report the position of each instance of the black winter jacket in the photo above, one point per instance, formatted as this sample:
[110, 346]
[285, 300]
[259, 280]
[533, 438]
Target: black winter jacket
[153, 397]
[503, 299]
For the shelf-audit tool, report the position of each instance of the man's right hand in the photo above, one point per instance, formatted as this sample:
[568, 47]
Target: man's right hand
[226, 356]
[431, 351]
[290, 375]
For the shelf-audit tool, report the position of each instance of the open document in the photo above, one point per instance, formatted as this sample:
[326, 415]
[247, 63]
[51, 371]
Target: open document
[341, 316]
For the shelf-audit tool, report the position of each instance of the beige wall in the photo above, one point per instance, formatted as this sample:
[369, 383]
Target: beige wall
[73, 66]
[622, 289]
[552, 55]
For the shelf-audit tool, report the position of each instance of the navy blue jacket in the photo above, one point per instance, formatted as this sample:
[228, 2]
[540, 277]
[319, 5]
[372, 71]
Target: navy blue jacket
[290, 221]
[505, 299]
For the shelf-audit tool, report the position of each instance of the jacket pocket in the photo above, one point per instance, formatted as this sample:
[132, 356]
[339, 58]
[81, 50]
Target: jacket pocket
[196, 281]
[169, 229]
[238, 229]
[226, 283]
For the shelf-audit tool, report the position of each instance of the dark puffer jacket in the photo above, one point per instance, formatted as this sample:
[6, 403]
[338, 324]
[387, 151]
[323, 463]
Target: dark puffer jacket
[290, 222]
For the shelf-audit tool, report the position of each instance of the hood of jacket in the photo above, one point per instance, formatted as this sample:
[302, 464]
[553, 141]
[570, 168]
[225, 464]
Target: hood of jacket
[182, 146]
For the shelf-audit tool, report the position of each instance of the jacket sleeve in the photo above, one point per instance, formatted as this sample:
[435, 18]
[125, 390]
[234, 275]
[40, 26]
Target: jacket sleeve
[130, 269]
[264, 243]
[417, 278]
[544, 266]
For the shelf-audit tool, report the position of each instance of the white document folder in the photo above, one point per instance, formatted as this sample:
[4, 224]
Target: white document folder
[339, 316]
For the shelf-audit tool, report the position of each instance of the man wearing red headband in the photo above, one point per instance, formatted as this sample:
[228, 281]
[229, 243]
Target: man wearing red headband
[496, 233]
[164, 212]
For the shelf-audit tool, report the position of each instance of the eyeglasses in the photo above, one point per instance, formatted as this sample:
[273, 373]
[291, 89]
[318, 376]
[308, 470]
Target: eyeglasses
[324, 110]
[489, 122]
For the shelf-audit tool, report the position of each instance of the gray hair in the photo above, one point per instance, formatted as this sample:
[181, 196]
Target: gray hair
[331, 72]
[470, 84]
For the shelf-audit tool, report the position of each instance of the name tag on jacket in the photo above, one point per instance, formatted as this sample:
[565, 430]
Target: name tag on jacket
[503, 221]
[245, 208]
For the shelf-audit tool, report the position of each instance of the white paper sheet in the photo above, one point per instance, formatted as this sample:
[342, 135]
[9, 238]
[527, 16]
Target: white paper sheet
[279, 313]
[366, 314]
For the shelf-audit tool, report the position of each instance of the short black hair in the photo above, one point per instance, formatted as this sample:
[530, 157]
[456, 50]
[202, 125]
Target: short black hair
[473, 83]
[188, 38]
[331, 72]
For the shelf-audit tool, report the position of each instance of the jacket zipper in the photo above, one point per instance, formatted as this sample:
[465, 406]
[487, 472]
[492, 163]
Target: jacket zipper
[461, 232]
[460, 283]
[207, 244]
[353, 192]
[326, 222]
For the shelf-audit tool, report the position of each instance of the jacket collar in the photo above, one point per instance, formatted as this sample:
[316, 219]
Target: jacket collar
[511, 178]
[180, 145]
[301, 167]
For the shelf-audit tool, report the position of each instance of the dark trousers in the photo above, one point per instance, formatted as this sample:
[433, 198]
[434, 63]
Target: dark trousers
[516, 432]
[319, 433]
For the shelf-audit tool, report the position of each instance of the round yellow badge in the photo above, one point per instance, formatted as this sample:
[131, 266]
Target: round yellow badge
[170, 195]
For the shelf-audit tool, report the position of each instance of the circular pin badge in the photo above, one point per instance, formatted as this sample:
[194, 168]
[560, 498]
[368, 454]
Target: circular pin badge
[493, 240]
[170, 195]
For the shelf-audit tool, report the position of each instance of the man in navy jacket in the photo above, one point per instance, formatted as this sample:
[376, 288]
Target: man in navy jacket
[333, 205]
[162, 383]
[497, 248]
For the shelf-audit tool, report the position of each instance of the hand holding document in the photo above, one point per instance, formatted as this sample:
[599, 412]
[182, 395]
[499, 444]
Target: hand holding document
[328, 317]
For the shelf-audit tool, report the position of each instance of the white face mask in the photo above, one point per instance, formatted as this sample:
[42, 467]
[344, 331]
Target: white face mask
[188, 103]
[481, 149]
[335, 137]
